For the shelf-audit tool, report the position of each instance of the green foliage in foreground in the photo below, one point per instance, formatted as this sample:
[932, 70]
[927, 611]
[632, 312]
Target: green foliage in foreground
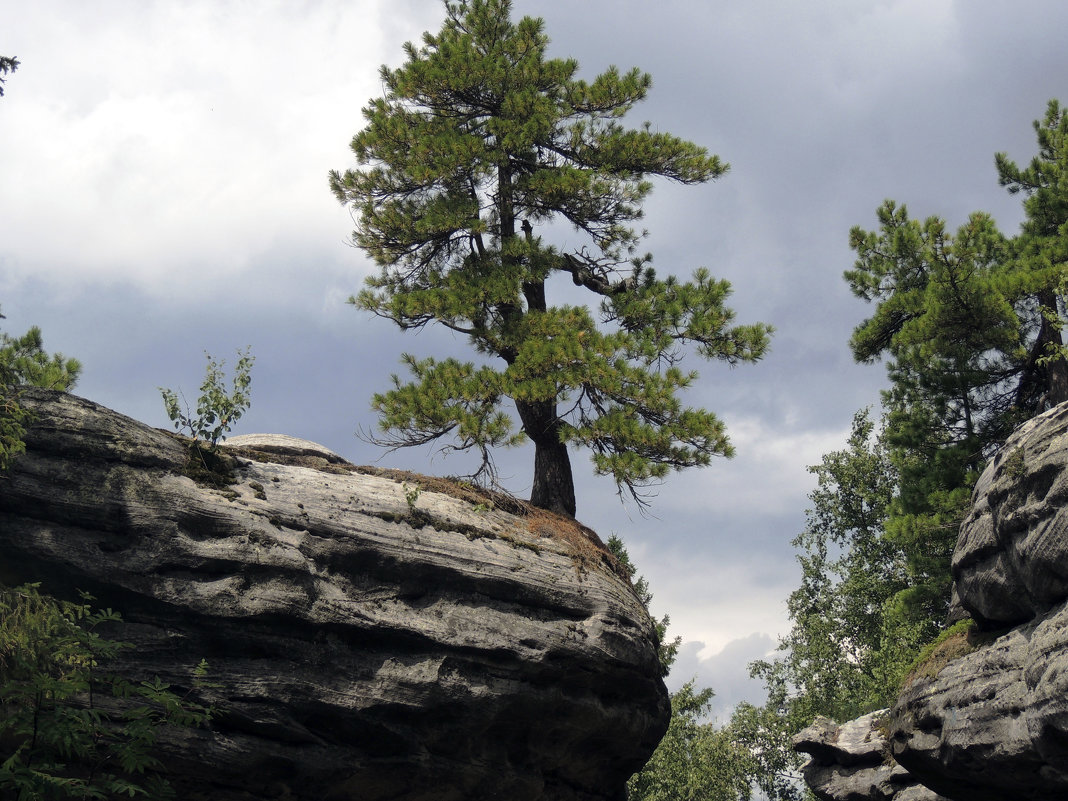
[217, 410]
[695, 761]
[24, 362]
[68, 728]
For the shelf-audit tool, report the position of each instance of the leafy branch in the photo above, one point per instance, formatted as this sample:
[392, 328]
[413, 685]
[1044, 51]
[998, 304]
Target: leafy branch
[217, 410]
[64, 741]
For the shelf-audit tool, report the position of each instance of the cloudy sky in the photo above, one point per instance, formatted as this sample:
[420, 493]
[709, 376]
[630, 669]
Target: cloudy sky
[163, 192]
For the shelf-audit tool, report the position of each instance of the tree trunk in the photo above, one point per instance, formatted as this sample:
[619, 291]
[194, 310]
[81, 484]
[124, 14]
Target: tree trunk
[554, 486]
[1057, 368]
[1057, 375]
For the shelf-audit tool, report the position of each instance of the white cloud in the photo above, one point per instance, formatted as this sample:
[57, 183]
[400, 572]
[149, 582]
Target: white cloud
[726, 672]
[170, 145]
[725, 600]
[769, 472]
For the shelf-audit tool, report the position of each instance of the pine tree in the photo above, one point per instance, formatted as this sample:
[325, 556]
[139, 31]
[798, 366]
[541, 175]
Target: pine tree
[480, 140]
[970, 324]
[7, 64]
[947, 320]
[1042, 252]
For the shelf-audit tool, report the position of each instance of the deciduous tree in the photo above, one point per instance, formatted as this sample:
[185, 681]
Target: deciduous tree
[695, 761]
[480, 143]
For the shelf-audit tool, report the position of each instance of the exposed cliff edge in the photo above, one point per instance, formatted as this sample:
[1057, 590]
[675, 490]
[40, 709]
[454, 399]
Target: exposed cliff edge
[370, 641]
[992, 723]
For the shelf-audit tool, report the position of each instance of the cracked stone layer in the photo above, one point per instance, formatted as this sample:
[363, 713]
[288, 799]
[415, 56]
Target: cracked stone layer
[851, 762]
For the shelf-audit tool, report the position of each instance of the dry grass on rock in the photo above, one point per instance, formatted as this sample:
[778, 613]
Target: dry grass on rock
[585, 547]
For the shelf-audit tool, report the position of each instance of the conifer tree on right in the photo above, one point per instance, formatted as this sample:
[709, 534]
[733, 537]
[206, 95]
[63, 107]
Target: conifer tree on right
[969, 323]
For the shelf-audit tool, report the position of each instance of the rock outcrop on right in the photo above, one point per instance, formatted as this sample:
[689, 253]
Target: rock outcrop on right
[993, 723]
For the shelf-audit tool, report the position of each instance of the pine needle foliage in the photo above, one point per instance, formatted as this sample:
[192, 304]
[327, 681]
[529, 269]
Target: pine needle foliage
[479, 139]
[7, 64]
[970, 323]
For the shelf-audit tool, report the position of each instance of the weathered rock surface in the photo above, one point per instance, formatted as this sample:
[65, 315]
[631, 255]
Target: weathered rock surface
[283, 444]
[368, 644]
[1010, 564]
[851, 762]
[993, 724]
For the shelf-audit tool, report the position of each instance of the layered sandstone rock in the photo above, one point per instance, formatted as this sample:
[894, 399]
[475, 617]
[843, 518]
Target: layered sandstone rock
[851, 762]
[993, 724]
[370, 638]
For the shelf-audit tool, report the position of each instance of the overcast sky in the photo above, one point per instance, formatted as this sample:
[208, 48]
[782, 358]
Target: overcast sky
[163, 191]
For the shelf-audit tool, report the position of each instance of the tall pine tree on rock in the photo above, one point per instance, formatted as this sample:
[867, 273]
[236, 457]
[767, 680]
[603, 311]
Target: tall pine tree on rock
[479, 141]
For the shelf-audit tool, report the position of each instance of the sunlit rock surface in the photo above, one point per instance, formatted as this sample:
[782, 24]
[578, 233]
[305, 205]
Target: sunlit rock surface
[851, 762]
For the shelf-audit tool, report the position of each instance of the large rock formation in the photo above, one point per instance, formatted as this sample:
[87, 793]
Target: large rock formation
[371, 638]
[993, 724]
[851, 762]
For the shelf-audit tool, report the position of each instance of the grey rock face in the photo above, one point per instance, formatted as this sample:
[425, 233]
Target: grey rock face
[993, 724]
[283, 444]
[851, 762]
[370, 642]
[1011, 559]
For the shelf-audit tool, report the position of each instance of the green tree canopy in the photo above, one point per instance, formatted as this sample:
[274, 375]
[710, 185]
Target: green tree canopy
[970, 325]
[479, 140]
[948, 318]
[695, 761]
[1041, 249]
